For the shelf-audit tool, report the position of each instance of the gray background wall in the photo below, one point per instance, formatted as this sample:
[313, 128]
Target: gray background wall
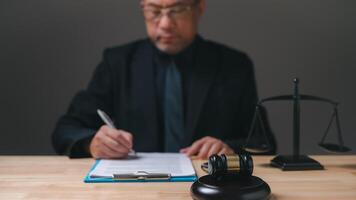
[49, 49]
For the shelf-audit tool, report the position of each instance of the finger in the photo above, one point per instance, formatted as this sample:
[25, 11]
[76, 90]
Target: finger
[204, 150]
[106, 155]
[106, 152]
[223, 151]
[117, 136]
[229, 151]
[125, 138]
[103, 146]
[128, 136]
[194, 149]
[115, 146]
[114, 153]
[184, 150]
[103, 138]
[215, 148]
[114, 134]
[226, 150]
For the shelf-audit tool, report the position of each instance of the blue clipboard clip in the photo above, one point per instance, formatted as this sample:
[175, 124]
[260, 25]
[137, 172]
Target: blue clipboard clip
[141, 176]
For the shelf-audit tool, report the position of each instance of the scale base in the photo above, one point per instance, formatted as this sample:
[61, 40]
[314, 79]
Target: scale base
[295, 163]
[230, 188]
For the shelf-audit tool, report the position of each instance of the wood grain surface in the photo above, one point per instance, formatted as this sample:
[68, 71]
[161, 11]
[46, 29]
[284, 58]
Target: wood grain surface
[58, 177]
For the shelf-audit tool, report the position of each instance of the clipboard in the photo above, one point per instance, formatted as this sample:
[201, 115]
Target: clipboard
[139, 176]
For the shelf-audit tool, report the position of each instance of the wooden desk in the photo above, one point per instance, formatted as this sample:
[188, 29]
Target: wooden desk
[57, 177]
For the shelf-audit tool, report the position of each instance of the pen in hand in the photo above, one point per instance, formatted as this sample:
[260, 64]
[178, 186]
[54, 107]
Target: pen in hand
[110, 123]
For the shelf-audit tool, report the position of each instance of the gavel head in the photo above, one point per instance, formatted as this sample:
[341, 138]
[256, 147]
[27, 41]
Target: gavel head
[237, 164]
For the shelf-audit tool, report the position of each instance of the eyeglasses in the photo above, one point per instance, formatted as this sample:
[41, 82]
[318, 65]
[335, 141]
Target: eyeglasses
[152, 13]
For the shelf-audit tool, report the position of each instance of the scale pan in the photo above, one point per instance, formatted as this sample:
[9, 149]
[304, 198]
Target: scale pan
[258, 150]
[334, 148]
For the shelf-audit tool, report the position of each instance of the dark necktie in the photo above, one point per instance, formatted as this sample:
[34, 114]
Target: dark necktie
[173, 109]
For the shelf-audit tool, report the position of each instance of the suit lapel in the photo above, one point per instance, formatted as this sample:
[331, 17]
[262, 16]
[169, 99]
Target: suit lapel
[201, 79]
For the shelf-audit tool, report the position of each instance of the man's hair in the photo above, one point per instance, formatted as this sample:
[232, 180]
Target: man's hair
[195, 2]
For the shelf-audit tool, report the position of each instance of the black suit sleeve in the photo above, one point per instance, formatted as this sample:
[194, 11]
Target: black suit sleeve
[77, 127]
[247, 107]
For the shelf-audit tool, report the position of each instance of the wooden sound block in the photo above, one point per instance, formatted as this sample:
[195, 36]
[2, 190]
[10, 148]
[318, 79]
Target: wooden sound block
[230, 187]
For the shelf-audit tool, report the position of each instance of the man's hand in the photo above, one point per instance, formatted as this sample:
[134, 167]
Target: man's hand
[110, 143]
[207, 146]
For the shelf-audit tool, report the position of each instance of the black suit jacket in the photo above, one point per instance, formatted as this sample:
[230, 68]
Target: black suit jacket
[220, 101]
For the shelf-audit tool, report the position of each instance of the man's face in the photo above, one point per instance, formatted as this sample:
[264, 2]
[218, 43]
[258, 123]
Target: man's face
[172, 24]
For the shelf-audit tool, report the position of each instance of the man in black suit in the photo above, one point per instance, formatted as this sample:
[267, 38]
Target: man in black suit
[172, 92]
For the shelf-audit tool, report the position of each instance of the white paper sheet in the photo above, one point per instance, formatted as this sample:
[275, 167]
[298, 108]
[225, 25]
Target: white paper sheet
[172, 163]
